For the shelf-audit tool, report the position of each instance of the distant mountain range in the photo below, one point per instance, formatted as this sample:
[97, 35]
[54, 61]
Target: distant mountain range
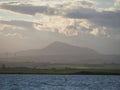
[62, 53]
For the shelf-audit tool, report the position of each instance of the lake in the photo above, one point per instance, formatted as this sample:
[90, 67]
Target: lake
[59, 82]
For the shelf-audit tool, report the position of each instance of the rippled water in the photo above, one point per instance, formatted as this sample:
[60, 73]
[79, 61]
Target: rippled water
[59, 82]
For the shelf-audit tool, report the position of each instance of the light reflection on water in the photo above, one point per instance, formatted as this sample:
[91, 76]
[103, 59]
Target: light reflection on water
[59, 82]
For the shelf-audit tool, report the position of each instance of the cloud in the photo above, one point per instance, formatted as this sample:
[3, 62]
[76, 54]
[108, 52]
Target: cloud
[85, 23]
[50, 25]
[108, 18]
[117, 3]
[11, 31]
[18, 24]
[18, 29]
[70, 27]
[80, 13]
[65, 26]
[69, 18]
[104, 18]
[95, 31]
[13, 27]
[15, 35]
[57, 24]
[78, 9]
[88, 3]
[99, 32]
[48, 9]
[29, 9]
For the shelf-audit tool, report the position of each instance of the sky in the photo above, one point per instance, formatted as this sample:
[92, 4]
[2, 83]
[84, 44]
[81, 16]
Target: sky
[34, 24]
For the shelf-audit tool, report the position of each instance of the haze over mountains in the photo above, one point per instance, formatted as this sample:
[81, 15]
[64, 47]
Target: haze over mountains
[59, 48]
[61, 53]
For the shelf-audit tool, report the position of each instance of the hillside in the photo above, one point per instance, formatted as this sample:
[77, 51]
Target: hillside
[62, 53]
[59, 48]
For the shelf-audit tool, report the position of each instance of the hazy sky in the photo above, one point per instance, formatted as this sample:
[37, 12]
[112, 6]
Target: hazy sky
[29, 24]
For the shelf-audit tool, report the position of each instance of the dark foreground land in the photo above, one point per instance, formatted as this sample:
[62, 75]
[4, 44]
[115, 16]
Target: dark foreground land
[61, 71]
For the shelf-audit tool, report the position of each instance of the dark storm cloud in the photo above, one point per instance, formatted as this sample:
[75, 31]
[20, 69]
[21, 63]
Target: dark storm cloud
[105, 18]
[108, 18]
[29, 9]
[81, 13]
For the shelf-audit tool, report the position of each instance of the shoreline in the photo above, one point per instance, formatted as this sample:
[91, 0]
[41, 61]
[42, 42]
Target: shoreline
[61, 71]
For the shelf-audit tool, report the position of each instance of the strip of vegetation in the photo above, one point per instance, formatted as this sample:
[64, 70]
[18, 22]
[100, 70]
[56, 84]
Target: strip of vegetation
[60, 71]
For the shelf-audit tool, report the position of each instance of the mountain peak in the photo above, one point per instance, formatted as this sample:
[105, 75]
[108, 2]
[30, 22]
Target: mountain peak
[61, 48]
[57, 44]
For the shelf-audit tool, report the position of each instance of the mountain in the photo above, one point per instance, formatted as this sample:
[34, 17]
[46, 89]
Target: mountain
[62, 53]
[59, 48]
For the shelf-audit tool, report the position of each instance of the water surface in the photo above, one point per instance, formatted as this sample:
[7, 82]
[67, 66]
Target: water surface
[59, 82]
